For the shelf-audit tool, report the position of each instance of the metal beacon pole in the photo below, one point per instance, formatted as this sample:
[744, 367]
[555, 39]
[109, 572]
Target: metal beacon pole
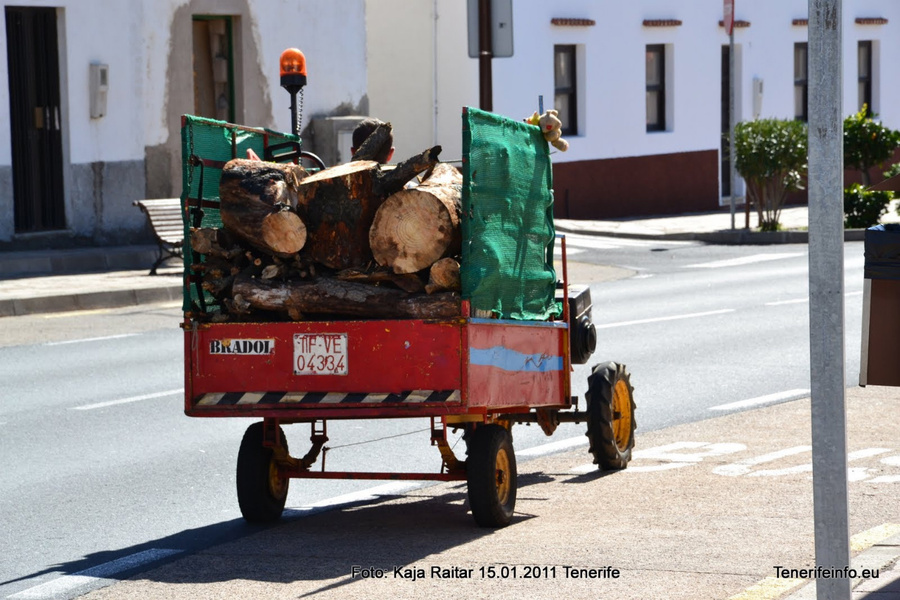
[293, 78]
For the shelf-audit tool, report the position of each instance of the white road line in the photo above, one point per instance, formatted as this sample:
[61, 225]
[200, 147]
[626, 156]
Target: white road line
[783, 302]
[660, 319]
[583, 469]
[805, 300]
[128, 400]
[551, 447]
[69, 583]
[761, 400]
[569, 251]
[388, 489]
[402, 487]
[744, 260]
[96, 339]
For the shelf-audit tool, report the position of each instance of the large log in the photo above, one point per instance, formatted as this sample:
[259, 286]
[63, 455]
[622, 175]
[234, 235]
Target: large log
[416, 227]
[256, 200]
[327, 296]
[338, 205]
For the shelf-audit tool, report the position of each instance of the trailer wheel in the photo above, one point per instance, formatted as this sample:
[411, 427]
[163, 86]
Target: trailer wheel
[261, 491]
[610, 411]
[491, 476]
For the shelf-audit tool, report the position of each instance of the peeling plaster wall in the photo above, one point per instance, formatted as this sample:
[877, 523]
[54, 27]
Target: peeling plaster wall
[262, 30]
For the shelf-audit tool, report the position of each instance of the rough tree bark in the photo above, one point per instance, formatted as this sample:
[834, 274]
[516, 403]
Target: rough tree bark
[338, 205]
[256, 200]
[327, 296]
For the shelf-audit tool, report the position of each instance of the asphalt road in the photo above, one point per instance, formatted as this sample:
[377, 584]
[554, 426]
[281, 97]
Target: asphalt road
[101, 464]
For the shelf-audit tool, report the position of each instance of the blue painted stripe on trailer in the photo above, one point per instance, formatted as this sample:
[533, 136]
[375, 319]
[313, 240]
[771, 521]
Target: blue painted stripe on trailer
[510, 360]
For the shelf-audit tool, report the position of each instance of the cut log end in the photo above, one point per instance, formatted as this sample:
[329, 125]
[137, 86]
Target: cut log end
[444, 277]
[411, 230]
[283, 233]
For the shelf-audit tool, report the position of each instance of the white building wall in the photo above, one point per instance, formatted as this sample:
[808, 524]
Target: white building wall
[611, 66]
[135, 147]
[401, 70]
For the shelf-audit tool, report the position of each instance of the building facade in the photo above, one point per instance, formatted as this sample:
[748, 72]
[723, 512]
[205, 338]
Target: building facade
[95, 92]
[642, 86]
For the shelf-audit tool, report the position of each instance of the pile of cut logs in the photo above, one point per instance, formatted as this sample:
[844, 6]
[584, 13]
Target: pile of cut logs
[352, 241]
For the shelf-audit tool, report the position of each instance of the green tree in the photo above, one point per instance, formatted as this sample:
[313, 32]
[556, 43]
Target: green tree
[770, 154]
[867, 143]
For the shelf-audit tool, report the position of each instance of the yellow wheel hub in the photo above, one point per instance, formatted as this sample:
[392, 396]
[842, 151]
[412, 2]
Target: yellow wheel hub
[502, 476]
[277, 483]
[621, 405]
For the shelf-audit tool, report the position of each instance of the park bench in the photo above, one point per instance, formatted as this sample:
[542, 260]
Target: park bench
[168, 228]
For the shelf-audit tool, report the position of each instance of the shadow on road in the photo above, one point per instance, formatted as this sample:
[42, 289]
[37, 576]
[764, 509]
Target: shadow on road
[391, 531]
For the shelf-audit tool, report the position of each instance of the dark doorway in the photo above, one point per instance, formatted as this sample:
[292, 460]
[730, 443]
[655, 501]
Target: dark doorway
[33, 54]
[213, 68]
[726, 123]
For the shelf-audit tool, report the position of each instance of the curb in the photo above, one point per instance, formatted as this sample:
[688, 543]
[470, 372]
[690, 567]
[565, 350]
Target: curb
[89, 301]
[882, 556]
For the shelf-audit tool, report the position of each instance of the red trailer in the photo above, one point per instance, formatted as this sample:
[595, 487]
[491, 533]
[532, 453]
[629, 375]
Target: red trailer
[480, 372]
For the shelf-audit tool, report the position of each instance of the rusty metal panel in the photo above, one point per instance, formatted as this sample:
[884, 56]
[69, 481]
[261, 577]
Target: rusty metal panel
[318, 364]
[516, 365]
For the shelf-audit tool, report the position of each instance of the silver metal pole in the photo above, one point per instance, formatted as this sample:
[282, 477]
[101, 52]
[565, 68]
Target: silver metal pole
[732, 119]
[826, 297]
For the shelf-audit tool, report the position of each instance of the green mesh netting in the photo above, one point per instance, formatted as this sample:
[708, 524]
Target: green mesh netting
[507, 227]
[206, 145]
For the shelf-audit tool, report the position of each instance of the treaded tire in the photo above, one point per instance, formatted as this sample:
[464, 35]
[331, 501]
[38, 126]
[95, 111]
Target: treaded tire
[610, 410]
[491, 476]
[261, 493]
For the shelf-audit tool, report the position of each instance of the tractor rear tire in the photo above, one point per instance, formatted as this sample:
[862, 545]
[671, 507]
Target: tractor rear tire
[610, 411]
[491, 476]
[261, 491]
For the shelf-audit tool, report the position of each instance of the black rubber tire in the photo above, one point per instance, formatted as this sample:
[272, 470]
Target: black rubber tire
[491, 476]
[611, 452]
[259, 502]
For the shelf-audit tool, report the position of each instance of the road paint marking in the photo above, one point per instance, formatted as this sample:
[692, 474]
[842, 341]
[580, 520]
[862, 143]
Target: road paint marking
[69, 583]
[552, 447]
[805, 300]
[768, 589]
[569, 251]
[771, 588]
[744, 260]
[857, 473]
[761, 400]
[661, 319]
[742, 467]
[95, 339]
[584, 469]
[706, 450]
[367, 495]
[783, 302]
[866, 539]
[128, 400]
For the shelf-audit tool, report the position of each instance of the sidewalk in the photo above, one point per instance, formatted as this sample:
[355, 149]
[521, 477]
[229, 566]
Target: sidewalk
[705, 510]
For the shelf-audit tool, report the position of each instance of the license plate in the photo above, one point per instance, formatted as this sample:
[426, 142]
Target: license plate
[320, 354]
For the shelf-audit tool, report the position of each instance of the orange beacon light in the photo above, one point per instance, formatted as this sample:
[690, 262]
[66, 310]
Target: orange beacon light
[293, 68]
[293, 77]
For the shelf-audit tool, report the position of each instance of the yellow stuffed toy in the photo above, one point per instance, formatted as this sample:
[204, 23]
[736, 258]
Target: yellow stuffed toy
[551, 128]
